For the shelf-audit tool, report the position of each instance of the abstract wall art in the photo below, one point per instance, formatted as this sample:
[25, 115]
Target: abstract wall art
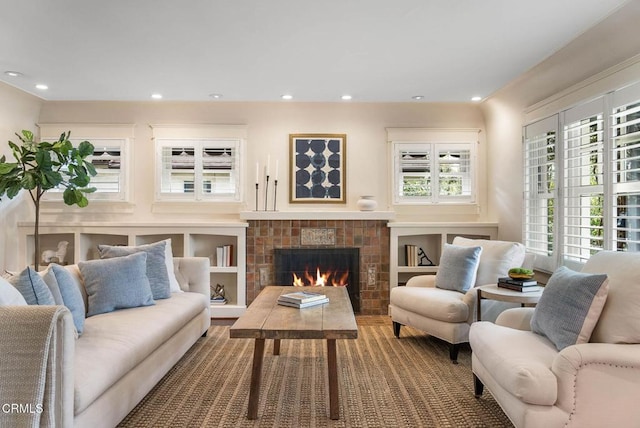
[317, 168]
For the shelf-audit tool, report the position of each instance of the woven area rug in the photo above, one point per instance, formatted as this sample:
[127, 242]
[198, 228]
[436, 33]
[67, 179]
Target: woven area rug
[384, 382]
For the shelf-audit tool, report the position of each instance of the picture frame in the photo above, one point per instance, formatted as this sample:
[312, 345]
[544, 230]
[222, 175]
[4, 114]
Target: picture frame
[317, 168]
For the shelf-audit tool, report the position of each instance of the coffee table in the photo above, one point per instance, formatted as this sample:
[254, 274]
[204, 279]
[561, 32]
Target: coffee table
[265, 319]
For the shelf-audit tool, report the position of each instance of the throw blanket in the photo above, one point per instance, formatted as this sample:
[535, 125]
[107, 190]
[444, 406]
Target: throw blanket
[28, 365]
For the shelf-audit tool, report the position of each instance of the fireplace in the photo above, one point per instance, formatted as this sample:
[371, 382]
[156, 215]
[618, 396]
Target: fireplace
[320, 266]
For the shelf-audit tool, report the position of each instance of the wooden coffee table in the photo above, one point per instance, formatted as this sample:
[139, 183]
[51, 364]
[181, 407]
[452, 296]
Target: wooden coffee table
[265, 319]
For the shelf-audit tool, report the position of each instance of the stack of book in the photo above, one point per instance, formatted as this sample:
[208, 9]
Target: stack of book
[302, 299]
[523, 285]
[218, 300]
[411, 254]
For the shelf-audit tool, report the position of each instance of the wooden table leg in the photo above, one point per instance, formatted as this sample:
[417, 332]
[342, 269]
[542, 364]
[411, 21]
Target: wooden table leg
[256, 372]
[334, 405]
[479, 308]
[276, 346]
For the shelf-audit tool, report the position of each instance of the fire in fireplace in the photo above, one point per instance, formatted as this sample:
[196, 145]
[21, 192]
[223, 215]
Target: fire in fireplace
[320, 266]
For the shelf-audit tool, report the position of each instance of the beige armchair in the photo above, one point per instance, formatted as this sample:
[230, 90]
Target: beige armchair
[447, 314]
[594, 384]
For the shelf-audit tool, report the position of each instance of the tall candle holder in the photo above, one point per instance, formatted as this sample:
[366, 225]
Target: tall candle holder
[266, 192]
[257, 196]
[275, 193]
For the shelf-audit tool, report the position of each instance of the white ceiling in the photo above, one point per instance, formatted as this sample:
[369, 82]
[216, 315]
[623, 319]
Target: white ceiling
[258, 50]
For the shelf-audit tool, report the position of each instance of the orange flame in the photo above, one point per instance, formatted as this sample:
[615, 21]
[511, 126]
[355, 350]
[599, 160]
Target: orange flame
[326, 279]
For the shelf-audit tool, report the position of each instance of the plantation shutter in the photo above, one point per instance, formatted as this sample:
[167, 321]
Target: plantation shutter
[625, 169]
[583, 159]
[540, 190]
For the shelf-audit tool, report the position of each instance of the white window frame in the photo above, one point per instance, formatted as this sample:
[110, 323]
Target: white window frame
[100, 136]
[433, 142]
[199, 137]
[575, 160]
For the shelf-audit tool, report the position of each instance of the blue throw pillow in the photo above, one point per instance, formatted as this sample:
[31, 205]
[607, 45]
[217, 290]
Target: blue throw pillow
[458, 267]
[156, 264]
[570, 306]
[116, 283]
[60, 279]
[32, 287]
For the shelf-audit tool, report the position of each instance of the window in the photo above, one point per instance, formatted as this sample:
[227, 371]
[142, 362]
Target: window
[430, 172]
[540, 191]
[582, 190]
[193, 163]
[110, 157]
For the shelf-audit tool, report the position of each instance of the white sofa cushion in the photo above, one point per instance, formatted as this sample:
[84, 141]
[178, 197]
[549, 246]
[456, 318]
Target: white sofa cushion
[620, 318]
[521, 358]
[9, 295]
[496, 259]
[114, 343]
[443, 305]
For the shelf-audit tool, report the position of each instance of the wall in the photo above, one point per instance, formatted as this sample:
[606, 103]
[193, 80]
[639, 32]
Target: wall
[573, 68]
[268, 127]
[18, 111]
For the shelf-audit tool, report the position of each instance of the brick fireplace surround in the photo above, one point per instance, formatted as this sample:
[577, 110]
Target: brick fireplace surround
[371, 236]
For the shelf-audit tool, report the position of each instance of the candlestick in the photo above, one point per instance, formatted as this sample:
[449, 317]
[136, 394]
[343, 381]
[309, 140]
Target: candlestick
[266, 192]
[257, 196]
[257, 172]
[275, 189]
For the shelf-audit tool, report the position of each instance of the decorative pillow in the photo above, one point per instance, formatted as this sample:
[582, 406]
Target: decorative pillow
[60, 279]
[570, 306]
[9, 295]
[32, 287]
[496, 259]
[117, 283]
[156, 265]
[458, 267]
[174, 287]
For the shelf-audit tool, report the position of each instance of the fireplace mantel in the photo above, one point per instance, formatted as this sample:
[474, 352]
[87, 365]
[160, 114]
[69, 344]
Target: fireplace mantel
[317, 215]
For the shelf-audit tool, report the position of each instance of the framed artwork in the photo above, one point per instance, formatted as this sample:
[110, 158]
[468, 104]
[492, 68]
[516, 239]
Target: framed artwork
[317, 168]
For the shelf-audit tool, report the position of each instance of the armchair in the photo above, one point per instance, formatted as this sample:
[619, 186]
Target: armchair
[591, 384]
[447, 314]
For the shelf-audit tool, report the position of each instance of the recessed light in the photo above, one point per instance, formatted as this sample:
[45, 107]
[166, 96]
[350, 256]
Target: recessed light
[156, 96]
[13, 73]
[42, 87]
[346, 97]
[476, 98]
[215, 96]
[417, 97]
[287, 97]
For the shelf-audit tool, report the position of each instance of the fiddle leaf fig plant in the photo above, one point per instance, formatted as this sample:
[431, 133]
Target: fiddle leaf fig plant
[42, 166]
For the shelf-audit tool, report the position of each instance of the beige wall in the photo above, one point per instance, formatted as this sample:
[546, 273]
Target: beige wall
[18, 111]
[268, 128]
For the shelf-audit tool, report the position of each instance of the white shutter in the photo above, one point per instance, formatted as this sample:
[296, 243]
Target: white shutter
[540, 190]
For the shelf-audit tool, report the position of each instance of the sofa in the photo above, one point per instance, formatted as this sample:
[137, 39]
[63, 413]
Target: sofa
[94, 380]
[540, 378]
[447, 313]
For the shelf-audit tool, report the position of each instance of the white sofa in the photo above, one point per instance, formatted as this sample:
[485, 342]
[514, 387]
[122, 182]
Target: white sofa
[594, 384]
[98, 378]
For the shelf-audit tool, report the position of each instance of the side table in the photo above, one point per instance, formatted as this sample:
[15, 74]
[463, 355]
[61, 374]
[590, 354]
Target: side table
[493, 292]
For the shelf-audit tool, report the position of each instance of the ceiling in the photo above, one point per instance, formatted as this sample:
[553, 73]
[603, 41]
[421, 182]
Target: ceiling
[259, 50]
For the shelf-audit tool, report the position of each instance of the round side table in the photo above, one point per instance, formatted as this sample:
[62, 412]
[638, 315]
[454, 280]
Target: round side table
[493, 292]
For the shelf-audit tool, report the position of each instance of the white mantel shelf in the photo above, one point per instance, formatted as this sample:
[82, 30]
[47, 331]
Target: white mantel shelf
[317, 215]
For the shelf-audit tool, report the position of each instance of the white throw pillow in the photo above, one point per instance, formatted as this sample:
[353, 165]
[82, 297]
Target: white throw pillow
[174, 287]
[9, 295]
[496, 259]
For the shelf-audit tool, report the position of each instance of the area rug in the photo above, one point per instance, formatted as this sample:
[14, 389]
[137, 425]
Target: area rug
[384, 382]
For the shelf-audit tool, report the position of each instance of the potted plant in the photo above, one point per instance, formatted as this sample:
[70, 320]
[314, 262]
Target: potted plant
[42, 166]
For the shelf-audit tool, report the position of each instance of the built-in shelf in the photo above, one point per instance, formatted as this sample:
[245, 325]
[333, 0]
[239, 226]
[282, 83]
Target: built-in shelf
[187, 239]
[317, 215]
